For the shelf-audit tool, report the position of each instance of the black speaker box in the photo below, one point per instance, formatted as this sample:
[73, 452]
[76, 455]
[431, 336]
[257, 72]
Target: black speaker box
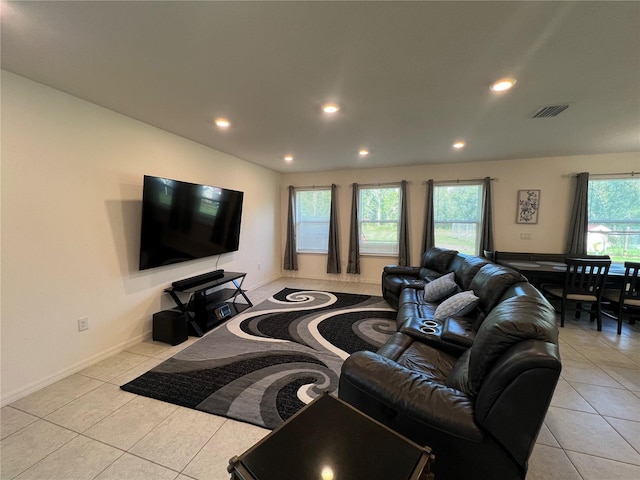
[197, 280]
[170, 326]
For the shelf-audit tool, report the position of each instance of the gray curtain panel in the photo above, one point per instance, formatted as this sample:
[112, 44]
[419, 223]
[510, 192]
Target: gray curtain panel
[333, 250]
[486, 235]
[403, 237]
[290, 255]
[353, 266]
[428, 237]
[578, 224]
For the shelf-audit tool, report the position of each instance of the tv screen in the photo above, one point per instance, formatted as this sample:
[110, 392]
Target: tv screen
[183, 221]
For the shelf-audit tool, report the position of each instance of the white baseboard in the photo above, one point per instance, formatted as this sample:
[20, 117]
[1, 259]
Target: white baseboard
[260, 284]
[45, 382]
[8, 398]
[344, 277]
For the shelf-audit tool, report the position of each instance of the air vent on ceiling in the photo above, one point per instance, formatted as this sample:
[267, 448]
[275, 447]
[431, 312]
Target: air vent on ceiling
[550, 111]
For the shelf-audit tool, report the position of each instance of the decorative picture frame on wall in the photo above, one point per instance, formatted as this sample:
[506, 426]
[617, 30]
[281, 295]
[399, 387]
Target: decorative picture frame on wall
[528, 206]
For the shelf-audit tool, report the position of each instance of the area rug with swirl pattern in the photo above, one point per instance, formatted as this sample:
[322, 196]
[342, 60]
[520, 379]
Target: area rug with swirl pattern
[266, 363]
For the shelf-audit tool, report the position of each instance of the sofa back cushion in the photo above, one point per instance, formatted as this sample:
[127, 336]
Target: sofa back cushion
[465, 268]
[437, 259]
[490, 283]
[514, 320]
[521, 289]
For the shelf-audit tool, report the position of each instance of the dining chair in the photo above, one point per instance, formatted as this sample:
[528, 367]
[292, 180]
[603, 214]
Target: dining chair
[627, 299]
[584, 282]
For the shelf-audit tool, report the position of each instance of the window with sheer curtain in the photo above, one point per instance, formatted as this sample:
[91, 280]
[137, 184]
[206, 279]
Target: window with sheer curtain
[614, 218]
[379, 220]
[458, 217]
[313, 209]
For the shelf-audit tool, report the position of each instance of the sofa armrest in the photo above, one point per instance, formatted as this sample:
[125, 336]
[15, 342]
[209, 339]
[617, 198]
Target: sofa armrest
[523, 380]
[370, 378]
[432, 336]
[417, 284]
[458, 330]
[399, 270]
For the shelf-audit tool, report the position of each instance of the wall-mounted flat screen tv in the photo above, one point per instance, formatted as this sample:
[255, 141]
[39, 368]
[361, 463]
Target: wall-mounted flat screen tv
[184, 221]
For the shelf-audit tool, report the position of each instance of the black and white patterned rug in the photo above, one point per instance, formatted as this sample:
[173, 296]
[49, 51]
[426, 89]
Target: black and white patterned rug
[266, 363]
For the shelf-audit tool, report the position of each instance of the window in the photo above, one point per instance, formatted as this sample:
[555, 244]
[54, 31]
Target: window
[313, 209]
[457, 217]
[209, 201]
[614, 218]
[379, 220]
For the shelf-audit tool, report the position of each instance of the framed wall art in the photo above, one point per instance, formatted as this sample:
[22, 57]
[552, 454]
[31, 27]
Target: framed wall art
[528, 206]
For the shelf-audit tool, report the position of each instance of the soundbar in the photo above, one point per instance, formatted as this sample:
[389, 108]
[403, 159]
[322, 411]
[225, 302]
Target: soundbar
[197, 280]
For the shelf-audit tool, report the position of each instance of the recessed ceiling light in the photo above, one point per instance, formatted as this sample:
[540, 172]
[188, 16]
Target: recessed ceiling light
[222, 122]
[458, 145]
[503, 84]
[289, 158]
[363, 152]
[330, 108]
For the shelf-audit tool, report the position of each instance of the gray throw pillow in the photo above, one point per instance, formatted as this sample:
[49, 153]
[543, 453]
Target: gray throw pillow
[459, 305]
[440, 288]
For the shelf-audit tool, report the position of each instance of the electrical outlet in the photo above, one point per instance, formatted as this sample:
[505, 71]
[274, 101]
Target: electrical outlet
[83, 324]
[525, 236]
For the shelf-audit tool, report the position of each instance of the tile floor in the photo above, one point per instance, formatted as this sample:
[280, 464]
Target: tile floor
[85, 427]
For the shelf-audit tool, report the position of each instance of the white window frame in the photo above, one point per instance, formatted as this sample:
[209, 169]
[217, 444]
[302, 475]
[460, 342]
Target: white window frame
[602, 233]
[379, 248]
[477, 222]
[301, 223]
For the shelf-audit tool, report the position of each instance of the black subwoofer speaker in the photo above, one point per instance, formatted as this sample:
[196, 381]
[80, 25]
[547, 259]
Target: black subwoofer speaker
[170, 326]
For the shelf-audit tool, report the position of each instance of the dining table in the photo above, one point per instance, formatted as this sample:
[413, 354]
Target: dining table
[540, 272]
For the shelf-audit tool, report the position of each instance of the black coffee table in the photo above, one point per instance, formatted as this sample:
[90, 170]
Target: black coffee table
[330, 440]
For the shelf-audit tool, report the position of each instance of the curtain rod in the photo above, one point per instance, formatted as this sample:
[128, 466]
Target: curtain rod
[632, 174]
[457, 180]
[381, 184]
[313, 187]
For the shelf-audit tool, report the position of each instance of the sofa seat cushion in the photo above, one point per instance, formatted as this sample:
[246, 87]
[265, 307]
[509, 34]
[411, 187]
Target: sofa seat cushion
[368, 380]
[431, 363]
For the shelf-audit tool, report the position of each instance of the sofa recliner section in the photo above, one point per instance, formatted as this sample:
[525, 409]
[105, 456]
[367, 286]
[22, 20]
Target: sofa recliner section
[455, 334]
[434, 263]
[480, 412]
[474, 388]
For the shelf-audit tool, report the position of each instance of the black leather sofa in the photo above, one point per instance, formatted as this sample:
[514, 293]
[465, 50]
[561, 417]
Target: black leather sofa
[434, 263]
[479, 405]
[415, 316]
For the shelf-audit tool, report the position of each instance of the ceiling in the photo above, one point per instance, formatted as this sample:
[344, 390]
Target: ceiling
[411, 78]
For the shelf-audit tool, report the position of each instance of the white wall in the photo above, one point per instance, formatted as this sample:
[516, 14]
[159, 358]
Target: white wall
[71, 201]
[70, 211]
[550, 175]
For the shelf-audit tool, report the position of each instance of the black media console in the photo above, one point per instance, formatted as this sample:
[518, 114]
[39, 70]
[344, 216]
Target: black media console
[208, 304]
